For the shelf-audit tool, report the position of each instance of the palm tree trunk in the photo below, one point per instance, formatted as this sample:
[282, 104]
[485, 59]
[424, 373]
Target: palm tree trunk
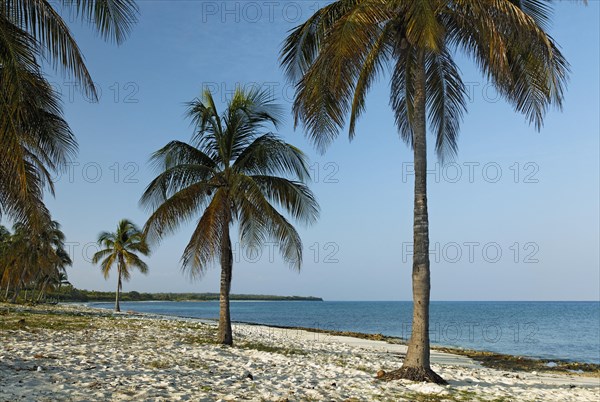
[416, 365]
[225, 336]
[42, 289]
[16, 293]
[20, 285]
[40, 294]
[17, 290]
[7, 289]
[117, 306]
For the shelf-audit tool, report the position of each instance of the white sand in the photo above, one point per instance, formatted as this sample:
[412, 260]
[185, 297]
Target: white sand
[142, 358]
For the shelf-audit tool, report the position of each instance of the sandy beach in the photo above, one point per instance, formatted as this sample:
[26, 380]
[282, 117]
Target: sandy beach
[76, 353]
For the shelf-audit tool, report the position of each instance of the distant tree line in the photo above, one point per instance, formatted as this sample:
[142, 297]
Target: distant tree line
[70, 293]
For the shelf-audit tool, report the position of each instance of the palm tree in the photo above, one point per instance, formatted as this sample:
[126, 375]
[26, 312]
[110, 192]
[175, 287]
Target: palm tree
[121, 247]
[36, 140]
[57, 272]
[32, 258]
[232, 172]
[62, 279]
[336, 55]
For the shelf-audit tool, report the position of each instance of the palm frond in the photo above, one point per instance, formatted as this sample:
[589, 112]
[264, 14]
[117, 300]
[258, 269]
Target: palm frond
[540, 10]
[48, 28]
[287, 239]
[268, 154]
[325, 94]
[294, 197]
[113, 19]
[107, 264]
[175, 210]
[372, 67]
[423, 30]
[100, 254]
[303, 44]
[180, 153]
[205, 243]
[175, 179]
[259, 220]
[521, 60]
[402, 91]
[133, 260]
[36, 139]
[446, 101]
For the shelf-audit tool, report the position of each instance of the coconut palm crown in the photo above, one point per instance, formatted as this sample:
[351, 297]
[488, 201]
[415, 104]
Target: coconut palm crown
[234, 171]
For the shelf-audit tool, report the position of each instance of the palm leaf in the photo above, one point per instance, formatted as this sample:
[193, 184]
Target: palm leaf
[113, 19]
[205, 243]
[446, 101]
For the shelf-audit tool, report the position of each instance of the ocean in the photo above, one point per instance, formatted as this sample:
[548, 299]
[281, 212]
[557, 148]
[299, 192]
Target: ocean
[550, 330]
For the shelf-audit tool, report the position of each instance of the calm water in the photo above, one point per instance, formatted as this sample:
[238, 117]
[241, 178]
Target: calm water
[552, 330]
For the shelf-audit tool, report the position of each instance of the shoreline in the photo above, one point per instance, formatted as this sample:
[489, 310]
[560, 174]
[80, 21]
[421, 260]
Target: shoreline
[85, 353]
[487, 358]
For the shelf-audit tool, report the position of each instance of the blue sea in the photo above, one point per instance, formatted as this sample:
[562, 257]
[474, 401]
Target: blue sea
[550, 330]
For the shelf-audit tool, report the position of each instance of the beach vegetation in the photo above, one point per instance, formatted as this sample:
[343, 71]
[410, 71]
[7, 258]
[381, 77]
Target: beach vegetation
[501, 361]
[263, 347]
[203, 337]
[33, 322]
[160, 364]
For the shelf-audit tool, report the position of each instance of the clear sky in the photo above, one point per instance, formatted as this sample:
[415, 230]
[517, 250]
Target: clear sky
[516, 217]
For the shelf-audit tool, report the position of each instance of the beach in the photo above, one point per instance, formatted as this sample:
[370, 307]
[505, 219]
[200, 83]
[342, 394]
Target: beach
[77, 353]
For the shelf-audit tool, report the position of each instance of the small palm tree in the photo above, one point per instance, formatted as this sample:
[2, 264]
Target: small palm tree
[62, 279]
[232, 172]
[121, 247]
[338, 53]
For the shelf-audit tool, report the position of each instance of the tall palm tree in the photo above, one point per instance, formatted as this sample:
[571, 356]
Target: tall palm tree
[121, 247]
[233, 172]
[36, 140]
[336, 55]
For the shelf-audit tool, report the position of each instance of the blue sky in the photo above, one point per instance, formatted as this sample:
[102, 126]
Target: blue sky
[515, 217]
